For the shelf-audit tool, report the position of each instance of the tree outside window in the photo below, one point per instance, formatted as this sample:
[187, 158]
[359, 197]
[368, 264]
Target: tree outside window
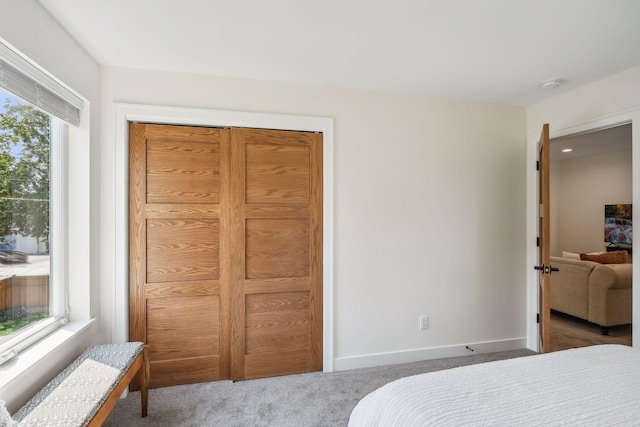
[24, 214]
[24, 171]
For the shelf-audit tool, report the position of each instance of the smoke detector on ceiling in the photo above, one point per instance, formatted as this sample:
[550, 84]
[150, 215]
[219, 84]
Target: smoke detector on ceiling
[551, 84]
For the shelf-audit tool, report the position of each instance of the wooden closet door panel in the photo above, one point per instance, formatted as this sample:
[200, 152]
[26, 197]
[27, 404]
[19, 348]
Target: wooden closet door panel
[182, 250]
[277, 252]
[181, 168]
[277, 322]
[185, 337]
[277, 247]
[277, 169]
[179, 250]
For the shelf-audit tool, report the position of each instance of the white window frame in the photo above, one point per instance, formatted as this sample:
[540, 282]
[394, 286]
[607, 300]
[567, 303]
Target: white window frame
[30, 370]
[59, 237]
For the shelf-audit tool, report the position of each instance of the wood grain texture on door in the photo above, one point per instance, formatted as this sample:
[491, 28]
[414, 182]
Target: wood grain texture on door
[544, 250]
[276, 304]
[225, 251]
[179, 244]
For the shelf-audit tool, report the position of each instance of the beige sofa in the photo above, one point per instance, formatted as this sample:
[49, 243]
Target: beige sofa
[598, 293]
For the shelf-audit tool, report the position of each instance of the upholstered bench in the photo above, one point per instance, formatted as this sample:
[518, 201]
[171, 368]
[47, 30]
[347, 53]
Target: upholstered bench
[88, 389]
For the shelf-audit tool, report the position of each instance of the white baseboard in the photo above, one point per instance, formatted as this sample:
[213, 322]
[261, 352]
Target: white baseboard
[381, 359]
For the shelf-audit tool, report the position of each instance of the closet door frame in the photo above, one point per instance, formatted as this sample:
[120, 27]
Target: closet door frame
[125, 113]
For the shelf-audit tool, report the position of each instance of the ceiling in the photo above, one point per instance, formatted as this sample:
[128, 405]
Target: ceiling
[602, 141]
[496, 51]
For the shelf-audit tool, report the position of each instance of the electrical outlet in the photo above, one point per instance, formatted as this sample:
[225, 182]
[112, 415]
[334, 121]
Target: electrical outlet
[424, 322]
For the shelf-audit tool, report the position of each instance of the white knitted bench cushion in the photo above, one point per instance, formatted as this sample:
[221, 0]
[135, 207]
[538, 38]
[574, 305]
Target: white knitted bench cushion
[70, 402]
[75, 395]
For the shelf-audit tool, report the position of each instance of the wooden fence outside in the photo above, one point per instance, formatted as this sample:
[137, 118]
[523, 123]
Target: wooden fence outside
[31, 292]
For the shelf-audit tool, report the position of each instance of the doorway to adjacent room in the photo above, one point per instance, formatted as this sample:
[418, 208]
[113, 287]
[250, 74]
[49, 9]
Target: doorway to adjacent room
[590, 171]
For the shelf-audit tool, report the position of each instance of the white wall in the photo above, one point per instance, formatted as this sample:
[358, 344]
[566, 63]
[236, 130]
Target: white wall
[581, 187]
[429, 200]
[429, 206]
[30, 29]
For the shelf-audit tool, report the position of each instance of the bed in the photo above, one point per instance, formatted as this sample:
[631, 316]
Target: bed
[591, 386]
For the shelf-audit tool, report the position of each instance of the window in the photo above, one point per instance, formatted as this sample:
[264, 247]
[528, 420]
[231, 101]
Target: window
[34, 113]
[31, 299]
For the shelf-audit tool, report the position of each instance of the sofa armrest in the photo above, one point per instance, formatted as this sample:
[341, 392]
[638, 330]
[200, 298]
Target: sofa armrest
[611, 276]
[610, 294]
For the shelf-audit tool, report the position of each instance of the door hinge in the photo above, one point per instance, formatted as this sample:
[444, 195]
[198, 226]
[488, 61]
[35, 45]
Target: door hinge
[537, 241]
[538, 318]
[537, 165]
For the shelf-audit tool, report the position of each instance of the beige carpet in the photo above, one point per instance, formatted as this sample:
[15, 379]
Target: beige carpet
[315, 399]
[571, 332]
[307, 400]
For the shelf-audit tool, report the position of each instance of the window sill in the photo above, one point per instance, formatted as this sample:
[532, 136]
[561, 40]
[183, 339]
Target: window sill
[18, 368]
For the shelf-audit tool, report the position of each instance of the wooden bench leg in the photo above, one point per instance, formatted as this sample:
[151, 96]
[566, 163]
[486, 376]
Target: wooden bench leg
[139, 368]
[144, 380]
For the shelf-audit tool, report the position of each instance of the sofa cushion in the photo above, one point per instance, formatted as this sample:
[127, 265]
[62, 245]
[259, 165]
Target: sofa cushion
[617, 257]
[576, 255]
[570, 255]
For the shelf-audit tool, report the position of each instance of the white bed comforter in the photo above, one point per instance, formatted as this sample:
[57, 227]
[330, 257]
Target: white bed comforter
[592, 386]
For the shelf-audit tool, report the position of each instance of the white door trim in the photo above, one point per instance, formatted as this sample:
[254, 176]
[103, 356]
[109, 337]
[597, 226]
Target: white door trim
[125, 113]
[629, 116]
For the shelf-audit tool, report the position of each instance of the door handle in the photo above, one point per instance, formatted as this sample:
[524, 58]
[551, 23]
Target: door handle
[546, 269]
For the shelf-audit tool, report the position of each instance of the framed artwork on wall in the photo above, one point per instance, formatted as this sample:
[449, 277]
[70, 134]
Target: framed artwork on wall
[618, 224]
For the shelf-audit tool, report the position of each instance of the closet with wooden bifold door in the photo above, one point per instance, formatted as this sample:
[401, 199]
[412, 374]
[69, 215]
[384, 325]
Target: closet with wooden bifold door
[225, 251]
